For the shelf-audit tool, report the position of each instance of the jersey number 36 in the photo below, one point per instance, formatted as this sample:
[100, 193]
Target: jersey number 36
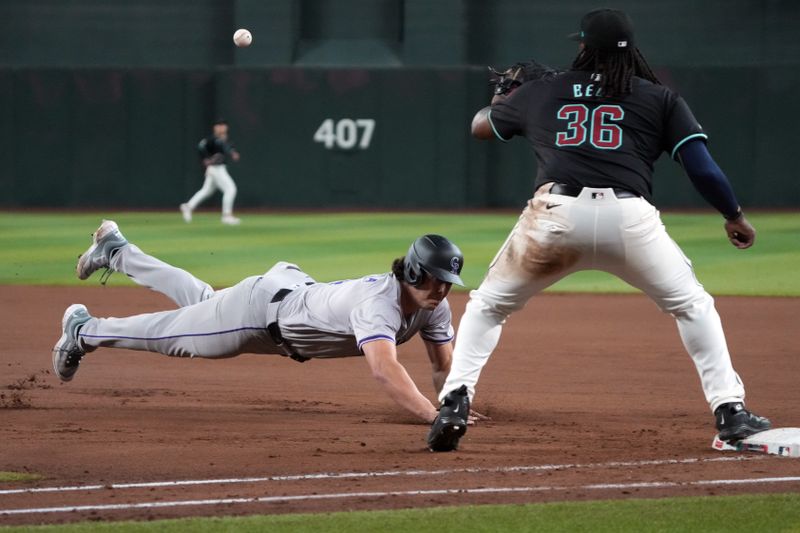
[601, 131]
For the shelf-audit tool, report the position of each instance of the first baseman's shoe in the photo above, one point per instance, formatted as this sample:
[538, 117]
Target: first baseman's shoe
[105, 241]
[734, 422]
[186, 211]
[68, 351]
[451, 423]
[231, 220]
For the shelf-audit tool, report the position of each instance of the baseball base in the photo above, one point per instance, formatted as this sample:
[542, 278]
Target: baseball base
[781, 441]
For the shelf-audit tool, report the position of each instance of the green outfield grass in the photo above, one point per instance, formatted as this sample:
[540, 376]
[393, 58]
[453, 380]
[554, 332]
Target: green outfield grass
[42, 248]
[723, 514]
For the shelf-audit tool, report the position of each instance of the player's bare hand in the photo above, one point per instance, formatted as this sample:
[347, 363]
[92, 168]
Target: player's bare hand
[740, 232]
[475, 416]
[235, 156]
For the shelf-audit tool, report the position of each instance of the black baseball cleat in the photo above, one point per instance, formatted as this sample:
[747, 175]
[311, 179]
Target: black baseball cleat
[735, 423]
[451, 422]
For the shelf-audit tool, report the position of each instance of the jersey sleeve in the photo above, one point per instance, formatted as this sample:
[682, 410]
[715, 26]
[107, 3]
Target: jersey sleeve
[680, 127]
[375, 319]
[506, 117]
[439, 329]
[202, 148]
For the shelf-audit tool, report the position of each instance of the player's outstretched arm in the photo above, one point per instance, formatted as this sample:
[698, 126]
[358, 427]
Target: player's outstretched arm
[381, 356]
[441, 355]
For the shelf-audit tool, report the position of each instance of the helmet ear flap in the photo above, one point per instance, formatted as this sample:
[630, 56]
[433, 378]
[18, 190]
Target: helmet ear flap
[413, 273]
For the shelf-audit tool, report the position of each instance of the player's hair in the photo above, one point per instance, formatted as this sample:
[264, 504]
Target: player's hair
[616, 69]
[398, 268]
[220, 122]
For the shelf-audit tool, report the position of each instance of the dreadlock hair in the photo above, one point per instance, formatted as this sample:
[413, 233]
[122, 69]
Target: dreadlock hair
[615, 69]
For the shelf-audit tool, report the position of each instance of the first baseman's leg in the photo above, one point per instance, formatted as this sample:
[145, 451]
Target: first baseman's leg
[657, 266]
[205, 191]
[177, 284]
[229, 324]
[533, 257]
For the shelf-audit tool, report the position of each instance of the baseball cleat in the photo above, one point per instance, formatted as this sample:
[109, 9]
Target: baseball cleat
[186, 211]
[67, 352]
[105, 241]
[451, 422]
[231, 220]
[735, 423]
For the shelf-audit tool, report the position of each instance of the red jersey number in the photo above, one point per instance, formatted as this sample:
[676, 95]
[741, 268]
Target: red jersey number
[602, 132]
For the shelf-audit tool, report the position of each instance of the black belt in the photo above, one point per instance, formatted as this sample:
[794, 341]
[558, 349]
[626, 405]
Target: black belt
[275, 330]
[575, 190]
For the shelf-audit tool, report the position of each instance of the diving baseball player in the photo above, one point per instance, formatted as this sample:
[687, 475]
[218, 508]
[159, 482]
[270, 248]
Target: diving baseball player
[213, 151]
[283, 311]
[596, 130]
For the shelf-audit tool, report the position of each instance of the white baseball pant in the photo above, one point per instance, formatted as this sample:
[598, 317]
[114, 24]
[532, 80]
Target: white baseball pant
[209, 323]
[557, 235]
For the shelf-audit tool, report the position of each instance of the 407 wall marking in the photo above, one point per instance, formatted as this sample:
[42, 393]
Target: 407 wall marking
[346, 133]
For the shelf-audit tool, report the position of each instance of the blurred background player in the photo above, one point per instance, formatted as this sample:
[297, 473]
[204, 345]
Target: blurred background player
[214, 151]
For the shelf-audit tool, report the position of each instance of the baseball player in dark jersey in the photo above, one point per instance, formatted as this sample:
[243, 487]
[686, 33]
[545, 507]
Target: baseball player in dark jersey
[596, 130]
[214, 151]
[283, 311]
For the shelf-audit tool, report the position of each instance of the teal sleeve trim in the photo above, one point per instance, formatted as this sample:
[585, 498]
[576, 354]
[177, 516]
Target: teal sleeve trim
[685, 140]
[489, 116]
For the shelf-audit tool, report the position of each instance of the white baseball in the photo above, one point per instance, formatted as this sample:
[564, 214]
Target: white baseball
[242, 38]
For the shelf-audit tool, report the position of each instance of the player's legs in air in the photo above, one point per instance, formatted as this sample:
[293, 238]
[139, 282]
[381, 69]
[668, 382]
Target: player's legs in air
[111, 250]
[227, 325]
[209, 323]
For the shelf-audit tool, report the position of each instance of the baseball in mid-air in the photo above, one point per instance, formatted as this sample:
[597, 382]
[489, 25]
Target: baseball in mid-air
[242, 38]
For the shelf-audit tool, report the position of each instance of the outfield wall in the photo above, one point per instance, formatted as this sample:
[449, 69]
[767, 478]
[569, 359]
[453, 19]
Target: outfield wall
[103, 101]
[384, 137]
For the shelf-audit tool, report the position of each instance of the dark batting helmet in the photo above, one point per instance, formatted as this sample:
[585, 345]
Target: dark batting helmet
[433, 255]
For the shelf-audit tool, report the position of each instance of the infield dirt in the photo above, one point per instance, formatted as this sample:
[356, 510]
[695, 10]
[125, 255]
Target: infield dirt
[599, 385]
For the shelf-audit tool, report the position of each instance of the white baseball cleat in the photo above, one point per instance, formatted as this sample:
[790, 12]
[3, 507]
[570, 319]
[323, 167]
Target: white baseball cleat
[231, 220]
[186, 211]
[68, 351]
[105, 240]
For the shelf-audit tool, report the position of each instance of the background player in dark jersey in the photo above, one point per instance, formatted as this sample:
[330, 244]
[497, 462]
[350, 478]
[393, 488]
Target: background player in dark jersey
[596, 130]
[213, 151]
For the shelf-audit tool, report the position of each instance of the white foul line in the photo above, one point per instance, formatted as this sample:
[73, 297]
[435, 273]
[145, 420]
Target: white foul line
[341, 495]
[388, 473]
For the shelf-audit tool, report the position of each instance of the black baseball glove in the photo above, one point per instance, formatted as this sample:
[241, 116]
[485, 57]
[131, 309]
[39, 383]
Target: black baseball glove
[509, 79]
[451, 422]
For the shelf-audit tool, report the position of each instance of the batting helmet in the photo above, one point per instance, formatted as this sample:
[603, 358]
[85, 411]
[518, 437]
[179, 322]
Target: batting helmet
[433, 255]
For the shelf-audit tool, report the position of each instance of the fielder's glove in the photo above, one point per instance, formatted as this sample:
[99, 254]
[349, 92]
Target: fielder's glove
[451, 422]
[509, 79]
